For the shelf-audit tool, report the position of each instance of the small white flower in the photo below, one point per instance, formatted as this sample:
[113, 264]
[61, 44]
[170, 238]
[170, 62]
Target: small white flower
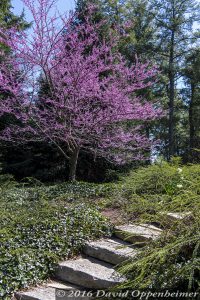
[179, 186]
[180, 170]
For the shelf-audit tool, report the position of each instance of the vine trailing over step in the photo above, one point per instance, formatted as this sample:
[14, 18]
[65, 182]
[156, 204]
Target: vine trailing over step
[91, 90]
[171, 264]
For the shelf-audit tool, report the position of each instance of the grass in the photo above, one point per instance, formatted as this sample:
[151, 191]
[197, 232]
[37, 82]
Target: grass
[43, 224]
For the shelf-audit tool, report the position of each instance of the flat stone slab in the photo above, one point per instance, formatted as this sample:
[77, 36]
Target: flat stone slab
[178, 216]
[38, 293]
[62, 285]
[138, 234]
[89, 273]
[113, 251]
[48, 292]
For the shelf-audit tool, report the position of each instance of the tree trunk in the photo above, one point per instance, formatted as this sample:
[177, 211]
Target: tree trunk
[191, 118]
[73, 164]
[171, 98]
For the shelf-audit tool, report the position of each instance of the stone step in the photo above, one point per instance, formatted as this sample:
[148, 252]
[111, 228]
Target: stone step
[176, 216]
[113, 251]
[138, 235]
[88, 272]
[48, 291]
[95, 271]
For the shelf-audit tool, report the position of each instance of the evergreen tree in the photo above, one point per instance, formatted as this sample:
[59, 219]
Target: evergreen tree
[174, 21]
[8, 18]
[191, 73]
[82, 9]
[140, 25]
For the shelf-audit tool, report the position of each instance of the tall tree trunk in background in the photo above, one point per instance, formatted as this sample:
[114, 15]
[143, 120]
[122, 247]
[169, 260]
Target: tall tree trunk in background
[171, 97]
[192, 80]
[191, 118]
[73, 164]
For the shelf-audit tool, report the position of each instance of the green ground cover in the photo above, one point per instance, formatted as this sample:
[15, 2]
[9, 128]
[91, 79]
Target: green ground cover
[40, 225]
[36, 231]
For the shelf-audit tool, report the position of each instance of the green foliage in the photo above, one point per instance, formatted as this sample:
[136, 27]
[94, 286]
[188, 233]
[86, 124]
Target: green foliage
[65, 191]
[141, 30]
[191, 95]
[8, 19]
[147, 195]
[6, 181]
[42, 224]
[163, 178]
[36, 233]
[173, 263]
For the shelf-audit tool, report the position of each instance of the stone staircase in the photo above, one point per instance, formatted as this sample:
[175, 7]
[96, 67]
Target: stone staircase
[96, 267]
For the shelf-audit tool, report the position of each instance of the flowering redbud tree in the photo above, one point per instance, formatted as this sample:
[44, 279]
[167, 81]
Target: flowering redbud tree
[91, 90]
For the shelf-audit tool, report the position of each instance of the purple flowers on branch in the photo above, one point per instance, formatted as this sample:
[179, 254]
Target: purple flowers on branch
[91, 90]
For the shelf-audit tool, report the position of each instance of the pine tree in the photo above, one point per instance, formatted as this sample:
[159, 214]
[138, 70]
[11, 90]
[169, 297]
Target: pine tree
[174, 20]
[140, 26]
[8, 18]
[191, 73]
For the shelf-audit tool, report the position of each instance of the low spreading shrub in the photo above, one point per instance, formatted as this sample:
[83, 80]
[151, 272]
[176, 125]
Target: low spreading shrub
[36, 234]
[172, 262]
[60, 192]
